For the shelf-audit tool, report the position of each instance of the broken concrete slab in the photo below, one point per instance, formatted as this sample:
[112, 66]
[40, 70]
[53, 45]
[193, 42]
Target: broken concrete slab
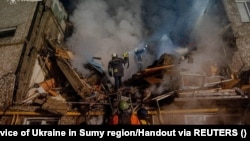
[55, 106]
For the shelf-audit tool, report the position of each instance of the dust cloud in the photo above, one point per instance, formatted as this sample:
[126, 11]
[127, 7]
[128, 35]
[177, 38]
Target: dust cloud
[103, 27]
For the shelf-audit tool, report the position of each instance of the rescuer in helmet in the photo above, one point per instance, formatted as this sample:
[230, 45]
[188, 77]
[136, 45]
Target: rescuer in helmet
[121, 115]
[138, 56]
[116, 68]
[142, 114]
[124, 115]
[123, 105]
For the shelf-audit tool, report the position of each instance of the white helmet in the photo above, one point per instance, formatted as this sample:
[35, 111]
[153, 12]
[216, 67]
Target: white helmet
[114, 55]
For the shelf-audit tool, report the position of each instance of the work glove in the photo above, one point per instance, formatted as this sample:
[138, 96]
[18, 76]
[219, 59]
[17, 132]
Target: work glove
[125, 55]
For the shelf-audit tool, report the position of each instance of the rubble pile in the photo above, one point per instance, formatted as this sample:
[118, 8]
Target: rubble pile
[96, 94]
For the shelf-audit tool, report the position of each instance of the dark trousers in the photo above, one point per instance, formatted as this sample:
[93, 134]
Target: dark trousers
[118, 82]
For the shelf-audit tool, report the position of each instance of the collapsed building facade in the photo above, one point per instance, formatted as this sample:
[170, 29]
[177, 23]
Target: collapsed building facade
[39, 85]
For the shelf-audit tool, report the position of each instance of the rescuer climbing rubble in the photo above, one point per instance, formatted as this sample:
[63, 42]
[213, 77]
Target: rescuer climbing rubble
[116, 68]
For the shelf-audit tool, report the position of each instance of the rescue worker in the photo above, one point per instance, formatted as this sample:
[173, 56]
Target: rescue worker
[134, 120]
[142, 114]
[116, 68]
[114, 120]
[124, 116]
[138, 56]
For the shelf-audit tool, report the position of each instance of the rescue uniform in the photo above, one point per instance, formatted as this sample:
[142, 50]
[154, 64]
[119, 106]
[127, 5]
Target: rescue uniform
[138, 56]
[116, 70]
[123, 119]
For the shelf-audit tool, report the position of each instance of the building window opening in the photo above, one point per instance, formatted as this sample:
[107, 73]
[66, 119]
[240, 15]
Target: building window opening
[41, 121]
[7, 32]
[243, 7]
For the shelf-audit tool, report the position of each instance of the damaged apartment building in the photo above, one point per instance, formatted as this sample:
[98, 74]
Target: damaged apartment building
[38, 84]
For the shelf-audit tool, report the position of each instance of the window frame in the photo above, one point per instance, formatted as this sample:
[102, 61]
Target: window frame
[42, 120]
[246, 10]
[7, 32]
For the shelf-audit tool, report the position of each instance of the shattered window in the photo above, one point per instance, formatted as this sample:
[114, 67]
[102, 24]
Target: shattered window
[243, 7]
[41, 121]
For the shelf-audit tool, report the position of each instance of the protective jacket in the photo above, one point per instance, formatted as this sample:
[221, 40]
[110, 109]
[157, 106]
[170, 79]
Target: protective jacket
[116, 66]
[125, 119]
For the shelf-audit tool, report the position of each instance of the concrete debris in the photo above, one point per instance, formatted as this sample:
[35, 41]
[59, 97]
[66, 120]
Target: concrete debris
[95, 93]
[95, 120]
[55, 106]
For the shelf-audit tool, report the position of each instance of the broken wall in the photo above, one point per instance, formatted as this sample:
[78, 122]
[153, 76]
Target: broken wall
[203, 111]
[13, 17]
[45, 26]
[241, 32]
